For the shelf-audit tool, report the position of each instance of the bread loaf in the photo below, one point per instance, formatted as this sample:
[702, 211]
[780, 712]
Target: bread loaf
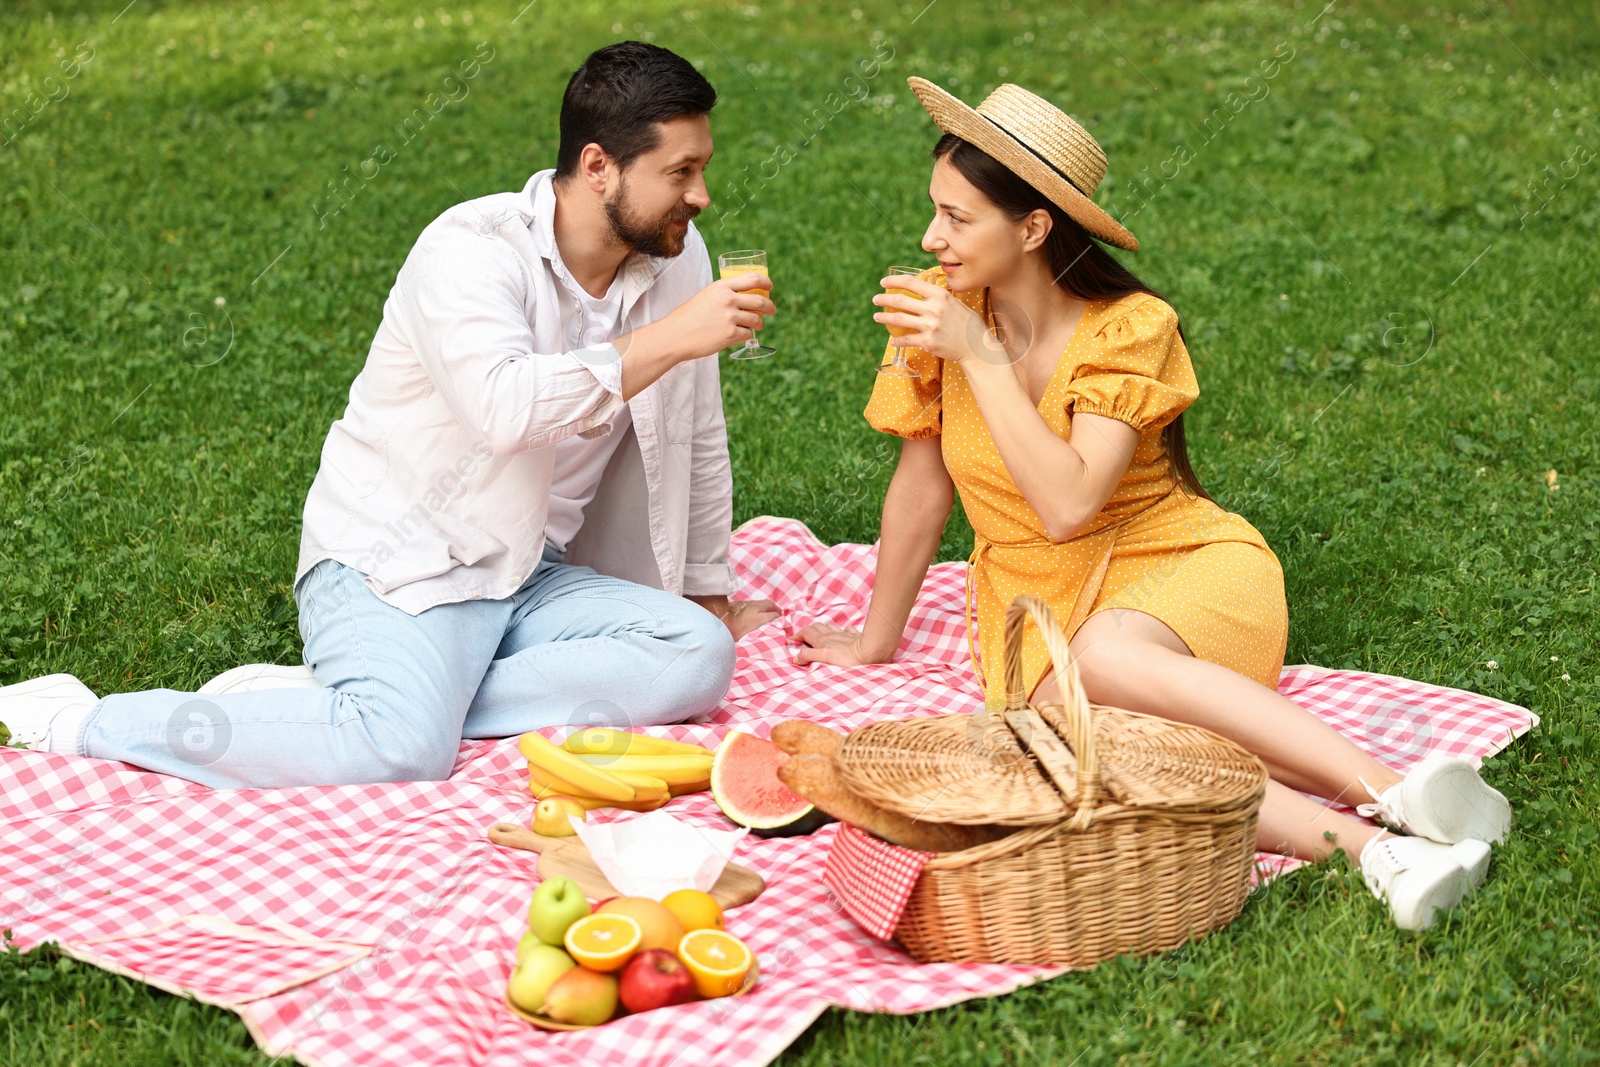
[814, 777]
[796, 736]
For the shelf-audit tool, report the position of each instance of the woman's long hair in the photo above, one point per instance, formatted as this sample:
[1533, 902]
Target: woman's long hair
[1081, 267]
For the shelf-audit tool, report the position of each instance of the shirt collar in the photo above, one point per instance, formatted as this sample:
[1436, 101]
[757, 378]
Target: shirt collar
[639, 270]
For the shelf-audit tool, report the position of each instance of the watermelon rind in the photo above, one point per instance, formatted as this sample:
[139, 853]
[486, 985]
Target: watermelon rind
[809, 823]
[792, 814]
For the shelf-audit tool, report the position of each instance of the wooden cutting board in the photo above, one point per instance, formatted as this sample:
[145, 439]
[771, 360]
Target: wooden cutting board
[568, 857]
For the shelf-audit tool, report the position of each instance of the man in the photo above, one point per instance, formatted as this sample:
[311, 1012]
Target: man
[541, 393]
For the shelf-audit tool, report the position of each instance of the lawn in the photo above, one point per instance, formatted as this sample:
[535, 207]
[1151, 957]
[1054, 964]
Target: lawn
[1377, 220]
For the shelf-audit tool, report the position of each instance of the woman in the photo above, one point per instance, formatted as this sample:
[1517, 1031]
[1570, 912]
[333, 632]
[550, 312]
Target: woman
[1048, 385]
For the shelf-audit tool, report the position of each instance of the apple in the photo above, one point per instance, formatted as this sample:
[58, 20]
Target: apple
[582, 997]
[550, 816]
[556, 905]
[535, 973]
[655, 978]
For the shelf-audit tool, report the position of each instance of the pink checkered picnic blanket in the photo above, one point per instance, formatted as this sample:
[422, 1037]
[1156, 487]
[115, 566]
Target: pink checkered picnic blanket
[375, 925]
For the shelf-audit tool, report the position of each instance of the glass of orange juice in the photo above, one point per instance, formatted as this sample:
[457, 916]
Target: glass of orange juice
[899, 365]
[748, 261]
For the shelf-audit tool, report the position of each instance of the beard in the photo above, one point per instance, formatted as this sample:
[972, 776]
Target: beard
[654, 237]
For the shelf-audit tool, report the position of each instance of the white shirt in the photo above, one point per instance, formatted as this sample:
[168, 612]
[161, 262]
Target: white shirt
[436, 481]
[581, 461]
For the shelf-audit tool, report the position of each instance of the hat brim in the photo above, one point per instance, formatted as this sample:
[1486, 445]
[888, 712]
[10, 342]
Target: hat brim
[953, 116]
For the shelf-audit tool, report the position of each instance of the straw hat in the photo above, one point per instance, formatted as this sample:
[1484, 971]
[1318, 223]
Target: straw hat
[1039, 142]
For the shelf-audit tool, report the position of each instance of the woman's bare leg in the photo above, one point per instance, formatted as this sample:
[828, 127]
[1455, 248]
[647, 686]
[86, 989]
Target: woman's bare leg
[1291, 824]
[1132, 660]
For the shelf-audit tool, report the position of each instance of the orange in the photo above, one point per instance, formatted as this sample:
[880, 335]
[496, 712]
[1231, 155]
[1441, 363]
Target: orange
[660, 927]
[603, 941]
[694, 909]
[718, 961]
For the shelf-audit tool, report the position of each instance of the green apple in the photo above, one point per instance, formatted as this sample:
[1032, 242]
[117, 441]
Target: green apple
[525, 945]
[536, 972]
[556, 905]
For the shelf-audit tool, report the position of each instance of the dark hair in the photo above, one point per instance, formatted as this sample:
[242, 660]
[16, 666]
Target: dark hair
[618, 95]
[1081, 266]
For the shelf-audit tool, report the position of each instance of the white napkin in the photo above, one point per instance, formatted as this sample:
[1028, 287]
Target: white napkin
[656, 853]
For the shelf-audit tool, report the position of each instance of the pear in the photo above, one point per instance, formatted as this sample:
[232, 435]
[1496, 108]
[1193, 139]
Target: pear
[582, 997]
[537, 970]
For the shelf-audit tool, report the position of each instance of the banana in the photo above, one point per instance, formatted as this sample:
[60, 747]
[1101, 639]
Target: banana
[590, 803]
[590, 780]
[673, 770]
[604, 741]
[690, 787]
[644, 786]
[542, 785]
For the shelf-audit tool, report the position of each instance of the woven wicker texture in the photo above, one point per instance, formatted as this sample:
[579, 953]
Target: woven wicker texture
[1037, 141]
[1153, 838]
[1018, 768]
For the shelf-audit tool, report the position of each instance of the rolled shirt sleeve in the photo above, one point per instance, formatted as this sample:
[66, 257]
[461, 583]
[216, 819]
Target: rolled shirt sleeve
[462, 301]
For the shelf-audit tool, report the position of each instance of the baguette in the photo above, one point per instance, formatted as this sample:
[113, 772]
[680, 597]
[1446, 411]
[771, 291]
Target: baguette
[796, 736]
[814, 777]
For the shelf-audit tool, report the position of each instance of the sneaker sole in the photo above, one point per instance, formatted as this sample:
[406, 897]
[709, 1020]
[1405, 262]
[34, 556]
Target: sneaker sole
[1428, 891]
[1451, 803]
[1473, 858]
[44, 686]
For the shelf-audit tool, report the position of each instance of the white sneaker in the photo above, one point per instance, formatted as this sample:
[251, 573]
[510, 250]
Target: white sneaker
[252, 677]
[1444, 800]
[1419, 878]
[27, 708]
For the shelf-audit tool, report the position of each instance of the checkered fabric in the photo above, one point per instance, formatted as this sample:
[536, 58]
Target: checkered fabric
[214, 961]
[872, 879]
[94, 849]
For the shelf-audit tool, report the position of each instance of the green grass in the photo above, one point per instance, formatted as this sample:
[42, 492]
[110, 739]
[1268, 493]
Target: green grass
[151, 476]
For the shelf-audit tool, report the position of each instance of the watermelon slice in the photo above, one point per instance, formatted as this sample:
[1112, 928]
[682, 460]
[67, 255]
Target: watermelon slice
[745, 785]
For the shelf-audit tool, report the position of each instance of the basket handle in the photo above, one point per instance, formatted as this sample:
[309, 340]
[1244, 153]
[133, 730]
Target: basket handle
[1079, 720]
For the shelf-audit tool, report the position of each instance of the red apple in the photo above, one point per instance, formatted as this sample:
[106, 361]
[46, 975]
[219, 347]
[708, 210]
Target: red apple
[655, 979]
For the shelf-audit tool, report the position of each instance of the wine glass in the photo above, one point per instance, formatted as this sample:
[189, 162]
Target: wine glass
[898, 365]
[748, 261]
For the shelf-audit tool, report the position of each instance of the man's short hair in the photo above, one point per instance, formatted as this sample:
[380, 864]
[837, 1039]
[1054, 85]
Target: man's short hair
[619, 94]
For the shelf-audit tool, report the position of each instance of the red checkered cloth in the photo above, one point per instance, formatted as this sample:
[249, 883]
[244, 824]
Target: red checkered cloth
[94, 849]
[215, 961]
[872, 878]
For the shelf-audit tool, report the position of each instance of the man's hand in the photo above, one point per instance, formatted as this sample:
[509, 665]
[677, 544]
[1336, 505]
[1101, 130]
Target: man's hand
[739, 616]
[720, 315]
[717, 317]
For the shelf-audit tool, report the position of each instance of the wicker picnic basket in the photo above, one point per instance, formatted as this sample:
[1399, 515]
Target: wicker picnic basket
[1137, 833]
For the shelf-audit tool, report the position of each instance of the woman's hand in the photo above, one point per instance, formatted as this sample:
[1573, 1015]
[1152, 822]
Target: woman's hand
[823, 642]
[939, 323]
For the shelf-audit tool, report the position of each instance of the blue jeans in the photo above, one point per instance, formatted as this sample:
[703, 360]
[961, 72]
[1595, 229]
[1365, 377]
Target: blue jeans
[401, 691]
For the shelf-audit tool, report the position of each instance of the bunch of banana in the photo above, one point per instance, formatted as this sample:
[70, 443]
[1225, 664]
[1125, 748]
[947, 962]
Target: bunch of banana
[604, 768]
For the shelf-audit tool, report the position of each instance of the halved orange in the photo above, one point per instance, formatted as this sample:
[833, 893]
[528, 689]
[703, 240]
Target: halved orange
[604, 941]
[718, 961]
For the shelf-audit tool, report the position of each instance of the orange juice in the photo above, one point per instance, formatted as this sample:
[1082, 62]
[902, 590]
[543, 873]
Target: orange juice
[744, 268]
[901, 331]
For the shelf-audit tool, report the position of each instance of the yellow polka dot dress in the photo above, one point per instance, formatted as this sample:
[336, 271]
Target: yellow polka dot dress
[1155, 547]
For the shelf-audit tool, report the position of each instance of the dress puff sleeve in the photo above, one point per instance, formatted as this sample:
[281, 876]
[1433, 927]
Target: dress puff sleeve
[1137, 370]
[908, 406]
